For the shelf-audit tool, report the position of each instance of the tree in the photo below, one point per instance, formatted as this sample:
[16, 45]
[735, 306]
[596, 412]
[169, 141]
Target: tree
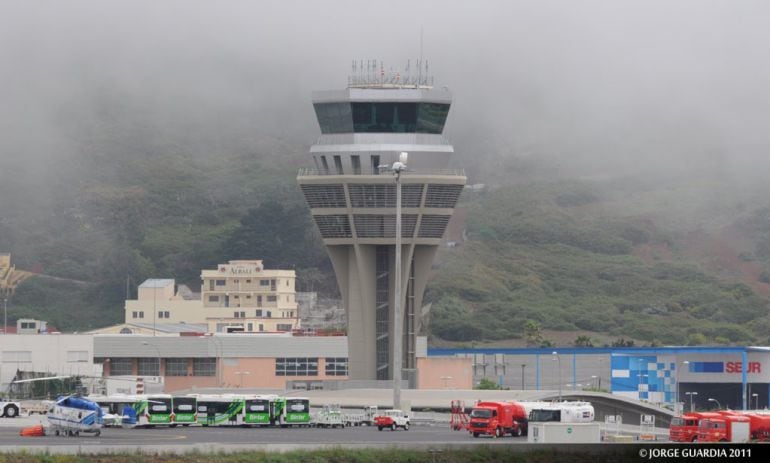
[583, 341]
[281, 236]
[488, 385]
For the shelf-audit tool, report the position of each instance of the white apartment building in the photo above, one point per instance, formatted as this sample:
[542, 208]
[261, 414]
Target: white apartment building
[240, 296]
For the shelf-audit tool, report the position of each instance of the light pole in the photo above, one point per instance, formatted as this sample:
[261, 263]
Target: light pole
[523, 365]
[719, 406]
[558, 360]
[154, 306]
[756, 400]
[398, 167]
[217, 354]
[593, 377]
[146, 343]
[5, 315]
[692, 398]
[241, 373]
[676, 400]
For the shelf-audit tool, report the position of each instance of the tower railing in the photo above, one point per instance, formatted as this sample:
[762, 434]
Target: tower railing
[311, 172]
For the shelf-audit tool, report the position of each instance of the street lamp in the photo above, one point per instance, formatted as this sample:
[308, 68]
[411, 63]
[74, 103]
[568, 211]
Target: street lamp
[398, 167]
[145, 343]
[558, 360]
[719, 406]
[218, 354]
[523, 365]
[692, 397]
[756, 400]
[676, 400]
[241, 373]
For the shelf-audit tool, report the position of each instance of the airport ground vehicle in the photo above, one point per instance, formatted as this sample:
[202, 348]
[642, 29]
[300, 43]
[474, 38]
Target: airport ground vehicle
[72, 415]
[392, 419]
[184, 410]
[329, 417]
[9, 409]
[685, 428]
[563, 412]
[153, 410]
[290, 411]
[725, 428]
[498, 419]
[363, 418]
[257, 410]
[220, 410]
[759, 426]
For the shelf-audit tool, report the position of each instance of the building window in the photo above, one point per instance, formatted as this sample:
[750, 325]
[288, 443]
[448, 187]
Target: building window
[141, 314]
[272, 285]
[239, 314]
[248, 281]
[16, 356]
[296, 366]
[221, 282]
[283, 327]
[77, 356]
[121, 367]
[167, 314]
[211, 285]
[236, 280]
[271, 298]
[338, 164]
[213, 298]
[261, 327]
[176, 367]
[258, 313]
[355, 160]
[134, 314]
[148, 367]
[325, 164]
[259, 301]
[204, 367]
[336, 366]
[163, 314]
[269, 314]
[264, 282]
[251, 327]
[375, 164]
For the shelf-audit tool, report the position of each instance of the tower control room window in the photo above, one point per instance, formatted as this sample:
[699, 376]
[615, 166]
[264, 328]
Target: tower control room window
[355, 161]
[325, 164]
[381, 117]
[338, 164]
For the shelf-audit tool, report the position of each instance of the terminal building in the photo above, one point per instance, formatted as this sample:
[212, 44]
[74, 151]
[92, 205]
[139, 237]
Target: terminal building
[675, 377]
[351, 193]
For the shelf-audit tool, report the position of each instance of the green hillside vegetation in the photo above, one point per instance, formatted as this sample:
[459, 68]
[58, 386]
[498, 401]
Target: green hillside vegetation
[558, 256]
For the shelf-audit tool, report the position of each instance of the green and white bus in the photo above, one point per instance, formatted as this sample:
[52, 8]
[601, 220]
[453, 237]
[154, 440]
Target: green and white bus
[290, 411]
[256, 410]
[184, 410]
[220, 410]
[153, 410]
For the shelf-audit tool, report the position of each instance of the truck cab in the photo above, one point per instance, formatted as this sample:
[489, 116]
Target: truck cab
[685, 428]
[498, 419]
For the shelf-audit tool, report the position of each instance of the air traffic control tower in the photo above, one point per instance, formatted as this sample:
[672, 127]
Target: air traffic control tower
[351, 192]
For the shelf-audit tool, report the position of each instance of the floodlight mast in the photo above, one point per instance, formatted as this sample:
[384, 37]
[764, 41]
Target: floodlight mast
[398, 167]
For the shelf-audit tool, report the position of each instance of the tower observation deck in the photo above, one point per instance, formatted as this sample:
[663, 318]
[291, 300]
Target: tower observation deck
[352, 198]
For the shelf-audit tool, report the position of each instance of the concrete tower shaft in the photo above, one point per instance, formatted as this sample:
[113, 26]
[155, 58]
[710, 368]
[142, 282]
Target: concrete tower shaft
[353, 202]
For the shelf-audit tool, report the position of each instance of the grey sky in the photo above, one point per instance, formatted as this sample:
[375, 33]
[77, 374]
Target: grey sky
[592, 80]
